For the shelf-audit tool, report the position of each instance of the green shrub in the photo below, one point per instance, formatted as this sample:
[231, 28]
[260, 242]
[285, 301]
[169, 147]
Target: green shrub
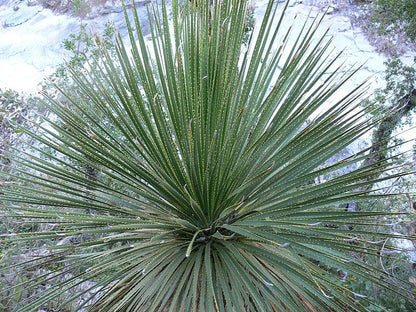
[16, 112]
[395, 106]
[398, 265]
[207, 157]
[19, 112]
[389, 24]
[400, 81]
[395, 16]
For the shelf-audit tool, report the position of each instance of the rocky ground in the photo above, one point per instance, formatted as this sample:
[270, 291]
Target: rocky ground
[32, 32]
[31, 38]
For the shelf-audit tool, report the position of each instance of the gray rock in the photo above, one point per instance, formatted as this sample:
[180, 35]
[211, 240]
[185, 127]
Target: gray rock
[10, 3]
[61, 6]
[21, 16]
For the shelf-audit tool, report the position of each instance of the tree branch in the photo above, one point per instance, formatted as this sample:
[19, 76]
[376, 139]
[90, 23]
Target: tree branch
[382, 136]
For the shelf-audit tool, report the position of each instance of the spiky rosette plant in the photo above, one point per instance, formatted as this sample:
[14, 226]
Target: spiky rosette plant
[208, 158]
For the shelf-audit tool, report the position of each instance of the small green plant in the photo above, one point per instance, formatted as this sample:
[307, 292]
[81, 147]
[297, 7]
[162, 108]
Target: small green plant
[82, 47]
[80, 8]
[207, 158]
